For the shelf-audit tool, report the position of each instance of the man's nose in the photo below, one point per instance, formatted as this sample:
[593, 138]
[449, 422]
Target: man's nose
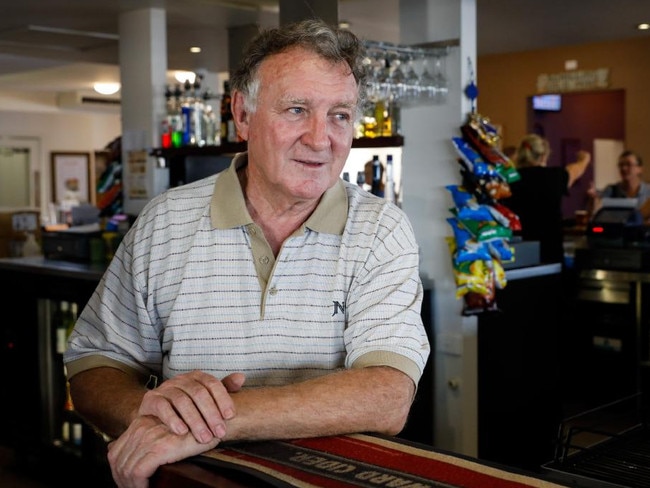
[317, 134]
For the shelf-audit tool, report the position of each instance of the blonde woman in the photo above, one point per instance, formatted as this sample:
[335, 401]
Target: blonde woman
[537, 196]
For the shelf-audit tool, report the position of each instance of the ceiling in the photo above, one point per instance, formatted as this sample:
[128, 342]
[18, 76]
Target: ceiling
[64, 45]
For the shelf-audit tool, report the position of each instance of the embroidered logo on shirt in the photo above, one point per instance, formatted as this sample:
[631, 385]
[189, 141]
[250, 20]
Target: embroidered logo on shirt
[338, 307]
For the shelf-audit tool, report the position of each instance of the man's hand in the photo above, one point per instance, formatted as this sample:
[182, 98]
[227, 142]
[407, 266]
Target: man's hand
[196, 402]
[144, 446]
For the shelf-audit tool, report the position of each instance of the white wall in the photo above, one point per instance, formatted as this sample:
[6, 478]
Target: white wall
[606, 151]
[58, 131]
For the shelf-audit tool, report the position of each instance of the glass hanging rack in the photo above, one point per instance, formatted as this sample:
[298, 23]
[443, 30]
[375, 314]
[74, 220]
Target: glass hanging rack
[408, 75]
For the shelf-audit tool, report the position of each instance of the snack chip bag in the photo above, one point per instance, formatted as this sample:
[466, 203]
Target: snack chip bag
[461, 196]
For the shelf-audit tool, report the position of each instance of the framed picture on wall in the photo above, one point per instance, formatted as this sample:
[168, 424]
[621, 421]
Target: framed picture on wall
[70, 176]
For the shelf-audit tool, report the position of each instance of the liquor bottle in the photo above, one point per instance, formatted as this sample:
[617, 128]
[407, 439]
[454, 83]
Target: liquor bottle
[211, 122]
[72, 318]
[176, 118]
[361, 179]
[377, 176]
[166, 124]
[71, 425]
[389, 190]
[61, 319]
[380, 117]
[228, 130]
[386, 127]
[197, 137]
[395, 119]
[186, 113]
[368, 121]
[67, 417]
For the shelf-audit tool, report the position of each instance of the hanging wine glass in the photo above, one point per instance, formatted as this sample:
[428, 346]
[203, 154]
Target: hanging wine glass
[412, 81]
[440, 80]
[397, 79]
[427, 82]
[384, 80]
[374, 63]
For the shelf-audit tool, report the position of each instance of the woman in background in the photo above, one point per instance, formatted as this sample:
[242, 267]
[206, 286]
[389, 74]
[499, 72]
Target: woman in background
[537, 196]
[631, 184]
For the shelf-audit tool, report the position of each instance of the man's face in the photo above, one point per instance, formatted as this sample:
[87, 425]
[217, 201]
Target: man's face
[300, 134]
[629, 168]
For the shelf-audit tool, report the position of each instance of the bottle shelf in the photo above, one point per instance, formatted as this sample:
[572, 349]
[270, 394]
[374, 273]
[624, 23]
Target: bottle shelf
[235, 147]
[383, 141]
[175, 152]
[183, 167]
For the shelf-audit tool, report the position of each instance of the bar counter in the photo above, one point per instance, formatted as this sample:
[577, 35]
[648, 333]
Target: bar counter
[353, 460]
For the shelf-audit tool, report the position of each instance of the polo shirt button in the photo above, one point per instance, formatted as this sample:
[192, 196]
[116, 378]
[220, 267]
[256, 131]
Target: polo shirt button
[264, 260]
[273, 291]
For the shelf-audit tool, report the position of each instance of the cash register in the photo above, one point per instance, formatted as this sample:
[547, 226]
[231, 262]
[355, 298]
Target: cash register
[618, 222]
[617, 238]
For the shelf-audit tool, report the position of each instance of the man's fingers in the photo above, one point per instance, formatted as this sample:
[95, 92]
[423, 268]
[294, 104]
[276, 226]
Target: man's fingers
[196, 402]
[158, 405]
[146, 445]
[233, 382]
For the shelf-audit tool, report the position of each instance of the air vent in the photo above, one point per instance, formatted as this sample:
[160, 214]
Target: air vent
[80, 101]
[100, 100]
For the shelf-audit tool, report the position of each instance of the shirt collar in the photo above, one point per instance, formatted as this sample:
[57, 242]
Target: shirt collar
[228, 206]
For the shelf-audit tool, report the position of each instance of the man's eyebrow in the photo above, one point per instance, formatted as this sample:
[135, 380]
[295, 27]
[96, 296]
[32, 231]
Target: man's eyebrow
[346, 105]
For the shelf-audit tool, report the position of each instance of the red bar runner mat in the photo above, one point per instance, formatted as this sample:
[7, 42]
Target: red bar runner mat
[360, 460]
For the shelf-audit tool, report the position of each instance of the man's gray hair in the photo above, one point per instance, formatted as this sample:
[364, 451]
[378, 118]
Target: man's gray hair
[333, 44]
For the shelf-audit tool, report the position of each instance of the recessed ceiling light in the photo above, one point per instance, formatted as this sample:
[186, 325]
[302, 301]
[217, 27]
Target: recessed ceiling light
[182, 76]
[106, 88]
[643, 26]
[195, 49]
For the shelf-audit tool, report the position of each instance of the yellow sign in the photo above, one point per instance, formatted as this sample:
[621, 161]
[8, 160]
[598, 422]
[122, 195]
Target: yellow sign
[573, 81]
[137, 161]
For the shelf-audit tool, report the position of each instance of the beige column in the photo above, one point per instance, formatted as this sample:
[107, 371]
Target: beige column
[143, 68]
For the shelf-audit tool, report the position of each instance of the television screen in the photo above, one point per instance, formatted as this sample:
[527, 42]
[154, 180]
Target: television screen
[549, 102]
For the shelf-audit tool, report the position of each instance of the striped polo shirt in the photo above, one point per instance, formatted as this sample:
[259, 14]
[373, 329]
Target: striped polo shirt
[195, 285]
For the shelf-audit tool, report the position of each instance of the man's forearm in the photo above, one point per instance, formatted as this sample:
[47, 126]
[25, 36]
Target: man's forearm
[107, 398]
[375, 399]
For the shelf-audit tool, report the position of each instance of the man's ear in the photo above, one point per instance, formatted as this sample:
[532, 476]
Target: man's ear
[239, 114]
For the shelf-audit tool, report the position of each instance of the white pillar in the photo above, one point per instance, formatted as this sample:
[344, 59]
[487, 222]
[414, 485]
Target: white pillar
[428, 165]
[143, 69]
